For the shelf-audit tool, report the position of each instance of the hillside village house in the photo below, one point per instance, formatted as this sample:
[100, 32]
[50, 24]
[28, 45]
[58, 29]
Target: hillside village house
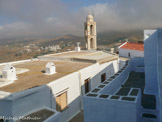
[131, 50]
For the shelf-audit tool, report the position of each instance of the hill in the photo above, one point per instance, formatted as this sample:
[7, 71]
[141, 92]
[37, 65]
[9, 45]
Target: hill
[106, 38]
[12, 50]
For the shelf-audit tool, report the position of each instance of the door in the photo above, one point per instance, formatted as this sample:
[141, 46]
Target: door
[103, 77]
[86, 82]
[129, 55]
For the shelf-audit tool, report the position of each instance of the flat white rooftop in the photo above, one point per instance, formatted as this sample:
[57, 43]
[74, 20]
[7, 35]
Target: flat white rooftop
[32, 73]
[82, 56]
[36, 77]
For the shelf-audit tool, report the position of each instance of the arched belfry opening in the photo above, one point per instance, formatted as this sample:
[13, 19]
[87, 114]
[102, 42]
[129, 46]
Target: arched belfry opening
[91, 43]
[91, 29]
[90, 33]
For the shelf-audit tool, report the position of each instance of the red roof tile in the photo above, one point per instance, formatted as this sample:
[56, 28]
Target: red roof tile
[133, 46]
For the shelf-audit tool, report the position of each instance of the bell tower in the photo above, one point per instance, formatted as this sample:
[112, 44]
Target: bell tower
[90, 33]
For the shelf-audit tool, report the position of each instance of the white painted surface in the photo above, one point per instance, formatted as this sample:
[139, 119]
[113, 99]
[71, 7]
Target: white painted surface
[159, 68]
[137, 64]
[150, 60]
[16, 62]
[114, 85]
[25, 102]
[94, 73]
[122, 44]
[73, 84]
[4, 94]
[69, 84]
[121, 63]
[77, 49]
[9, 72]
[108, 110]
[133, 53]
[50, 68]
[103, 110]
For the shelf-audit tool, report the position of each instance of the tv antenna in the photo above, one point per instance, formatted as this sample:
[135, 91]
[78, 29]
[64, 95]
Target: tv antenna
[93, 13]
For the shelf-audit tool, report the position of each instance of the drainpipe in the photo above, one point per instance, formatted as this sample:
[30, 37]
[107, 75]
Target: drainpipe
[81, 92]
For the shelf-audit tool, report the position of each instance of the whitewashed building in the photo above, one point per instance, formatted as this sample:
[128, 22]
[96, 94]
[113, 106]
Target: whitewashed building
[133, 94]
[59, 94]
[131, 50]
[107, 88]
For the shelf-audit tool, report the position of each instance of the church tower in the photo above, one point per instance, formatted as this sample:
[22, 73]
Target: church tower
[90, 33]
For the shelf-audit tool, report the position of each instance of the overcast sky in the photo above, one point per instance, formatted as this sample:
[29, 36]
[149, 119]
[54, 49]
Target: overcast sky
[43, 18]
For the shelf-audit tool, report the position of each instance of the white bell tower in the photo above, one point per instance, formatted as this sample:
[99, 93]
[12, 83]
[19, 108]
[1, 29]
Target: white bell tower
[90, 33]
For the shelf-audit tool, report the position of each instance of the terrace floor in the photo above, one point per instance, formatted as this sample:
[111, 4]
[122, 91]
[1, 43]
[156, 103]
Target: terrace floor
[78, 118]
[38, 116]
[137, 80]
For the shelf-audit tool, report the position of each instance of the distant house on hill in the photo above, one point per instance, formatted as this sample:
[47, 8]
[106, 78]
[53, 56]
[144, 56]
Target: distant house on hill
[131, 50]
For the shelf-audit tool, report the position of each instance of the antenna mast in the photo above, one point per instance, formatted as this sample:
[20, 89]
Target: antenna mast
[93, 13]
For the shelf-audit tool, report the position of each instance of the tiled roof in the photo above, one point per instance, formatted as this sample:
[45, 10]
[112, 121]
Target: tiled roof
[133, 46]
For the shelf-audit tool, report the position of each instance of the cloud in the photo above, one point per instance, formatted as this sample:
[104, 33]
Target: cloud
[128, 14]
[40, 18]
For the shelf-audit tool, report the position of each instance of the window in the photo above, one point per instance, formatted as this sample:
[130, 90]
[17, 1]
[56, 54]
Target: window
[86, 82]
[103, 77]
[61, 101]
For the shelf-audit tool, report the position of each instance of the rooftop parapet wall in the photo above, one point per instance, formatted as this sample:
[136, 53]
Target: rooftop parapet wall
[114, 81]
[29, 100]
[112, 85]
[137, 64]
[117, 80]
[121, 63]
[112, 100]
[112, 108]
[16, 62]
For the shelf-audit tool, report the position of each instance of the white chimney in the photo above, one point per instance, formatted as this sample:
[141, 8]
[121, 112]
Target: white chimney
[77, 49]
[50, 68]
[9, 72]
[112, 50]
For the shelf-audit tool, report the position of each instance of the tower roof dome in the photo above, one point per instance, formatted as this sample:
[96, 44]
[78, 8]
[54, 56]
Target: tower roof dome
[90, 16]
